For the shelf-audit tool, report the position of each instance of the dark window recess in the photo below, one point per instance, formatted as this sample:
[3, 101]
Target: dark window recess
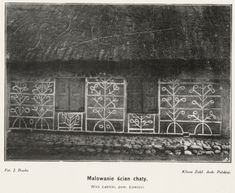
[142, 95]
[70, 93]
[150, 96]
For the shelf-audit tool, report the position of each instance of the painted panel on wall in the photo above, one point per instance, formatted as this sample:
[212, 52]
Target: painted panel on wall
[190, 107]
[141, 123]
[105, 104]
[70, 121]
[31, 104]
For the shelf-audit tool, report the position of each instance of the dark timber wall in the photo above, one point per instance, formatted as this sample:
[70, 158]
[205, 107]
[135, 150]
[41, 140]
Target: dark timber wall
[138, 81]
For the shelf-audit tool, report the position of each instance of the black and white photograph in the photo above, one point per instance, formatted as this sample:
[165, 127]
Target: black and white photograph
[118, 82]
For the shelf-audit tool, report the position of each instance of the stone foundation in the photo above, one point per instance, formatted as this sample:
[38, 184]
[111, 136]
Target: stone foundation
[27, 145]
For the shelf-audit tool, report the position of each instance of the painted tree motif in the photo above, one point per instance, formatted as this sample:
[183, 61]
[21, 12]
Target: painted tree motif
[203, 92]
[140, 123]
[32, 104]
[173, 100]
[70, 121]
[18, 99]
[189, 107]
[41, 97]
[105, 103]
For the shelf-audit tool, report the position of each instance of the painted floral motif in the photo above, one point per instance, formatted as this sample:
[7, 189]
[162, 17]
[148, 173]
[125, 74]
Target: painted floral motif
[141, 123]
[105, 107]
[70, 121]
[32, 104]
[188, 107]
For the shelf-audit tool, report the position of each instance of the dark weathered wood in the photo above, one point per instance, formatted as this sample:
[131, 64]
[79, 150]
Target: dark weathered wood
[70, 93]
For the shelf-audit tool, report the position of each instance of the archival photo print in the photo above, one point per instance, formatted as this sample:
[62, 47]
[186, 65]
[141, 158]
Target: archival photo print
[118, 82]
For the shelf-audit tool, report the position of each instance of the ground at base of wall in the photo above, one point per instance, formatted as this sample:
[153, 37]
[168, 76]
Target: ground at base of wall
[81, 147]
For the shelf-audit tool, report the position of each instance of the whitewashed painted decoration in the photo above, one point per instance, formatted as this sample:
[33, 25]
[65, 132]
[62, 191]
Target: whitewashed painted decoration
[187, 107]
[192, 108]
[31, 104]
[105, 104]
[141, 123]
[70, 121]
